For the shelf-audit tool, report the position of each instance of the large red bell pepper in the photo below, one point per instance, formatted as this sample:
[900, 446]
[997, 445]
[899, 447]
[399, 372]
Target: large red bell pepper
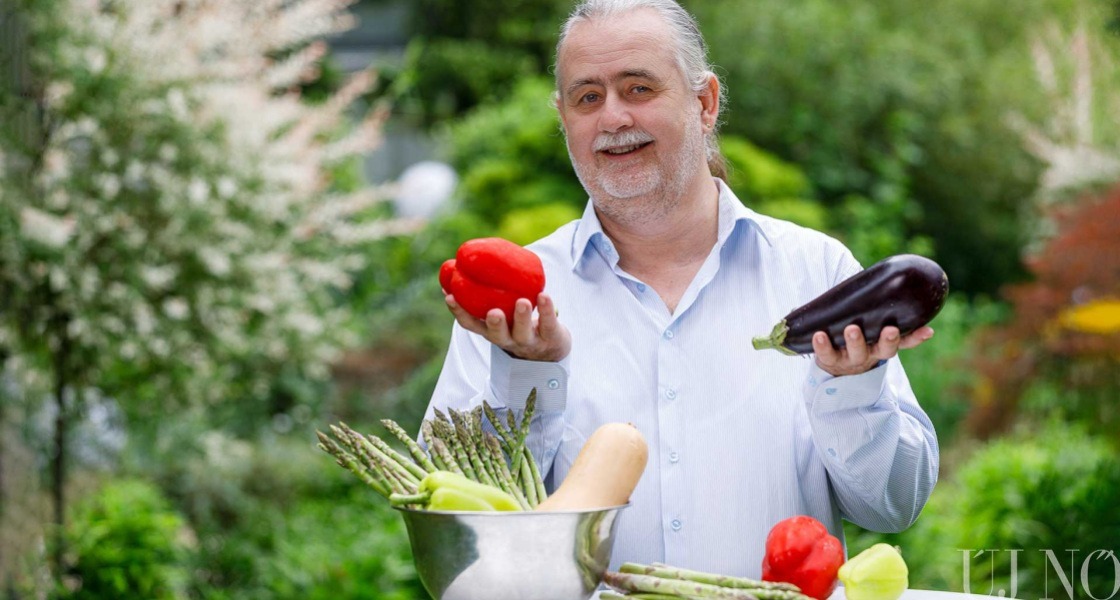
[799, 550]
[491, 273]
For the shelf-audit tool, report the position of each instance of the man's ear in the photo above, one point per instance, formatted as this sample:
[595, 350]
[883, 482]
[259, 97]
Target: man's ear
[709, 102]
[559, 110]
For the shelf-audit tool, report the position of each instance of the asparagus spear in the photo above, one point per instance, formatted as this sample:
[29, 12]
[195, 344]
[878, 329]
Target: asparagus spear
[440, 450]
[495, 422]
[376, 445]
[390, 469]
[462, 429]
[426, 433]
[447, 433]
[396, 457]
[480, 445]
[350, 462]
[523, 430]
[414, 449]
[508, 484]
[630, 582]
[662, 570]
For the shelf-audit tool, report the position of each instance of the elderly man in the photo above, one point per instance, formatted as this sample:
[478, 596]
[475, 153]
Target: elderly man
[660, 286]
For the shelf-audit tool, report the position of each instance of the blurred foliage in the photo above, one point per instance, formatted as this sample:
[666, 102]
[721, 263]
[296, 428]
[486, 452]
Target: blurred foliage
[940, 372]
[1061, 351]
[464, 53]
[442, 78]
[901, 103]
[511, 154]
[126, 541]
[1053, 488]
[276, 518]
[526, 225]
[770, 185]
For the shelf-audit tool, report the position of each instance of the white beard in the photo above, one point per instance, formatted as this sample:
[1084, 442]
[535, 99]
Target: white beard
[663, 184]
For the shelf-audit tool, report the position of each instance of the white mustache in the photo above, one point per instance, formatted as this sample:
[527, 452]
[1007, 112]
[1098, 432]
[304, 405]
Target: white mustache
[631, 137]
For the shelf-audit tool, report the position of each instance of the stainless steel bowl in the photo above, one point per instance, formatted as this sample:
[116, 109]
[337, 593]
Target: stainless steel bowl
[511, 555]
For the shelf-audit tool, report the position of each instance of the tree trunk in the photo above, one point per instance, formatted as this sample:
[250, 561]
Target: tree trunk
[59, 456]
[3, 457]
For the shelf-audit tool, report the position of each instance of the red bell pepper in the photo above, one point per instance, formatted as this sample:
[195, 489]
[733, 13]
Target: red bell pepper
[799, 550]
[491, 273]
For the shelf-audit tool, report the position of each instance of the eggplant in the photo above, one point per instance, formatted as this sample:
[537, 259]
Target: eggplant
[906, 291]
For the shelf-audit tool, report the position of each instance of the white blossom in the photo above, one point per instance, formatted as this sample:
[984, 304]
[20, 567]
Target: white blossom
[224, 167]
[216, 262]
[45, 228]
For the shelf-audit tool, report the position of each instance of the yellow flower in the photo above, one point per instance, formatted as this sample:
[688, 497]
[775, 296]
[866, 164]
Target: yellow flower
[1100, 317]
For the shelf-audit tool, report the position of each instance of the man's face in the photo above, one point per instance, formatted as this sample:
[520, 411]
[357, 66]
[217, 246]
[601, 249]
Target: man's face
[633, 127]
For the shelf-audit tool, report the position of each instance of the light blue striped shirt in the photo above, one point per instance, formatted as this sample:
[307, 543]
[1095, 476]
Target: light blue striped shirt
[739, 438]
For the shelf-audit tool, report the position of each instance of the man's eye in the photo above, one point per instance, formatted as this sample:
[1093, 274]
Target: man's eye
[589, 97]
[639, 89]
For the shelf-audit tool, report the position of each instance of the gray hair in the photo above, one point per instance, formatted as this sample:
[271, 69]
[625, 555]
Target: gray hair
[689, 47]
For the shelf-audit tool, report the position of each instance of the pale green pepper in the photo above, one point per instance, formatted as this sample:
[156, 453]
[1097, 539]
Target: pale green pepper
[444, 490]
[878, 573]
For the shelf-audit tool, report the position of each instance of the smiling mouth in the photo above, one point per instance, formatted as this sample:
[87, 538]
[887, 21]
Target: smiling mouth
[624, 150]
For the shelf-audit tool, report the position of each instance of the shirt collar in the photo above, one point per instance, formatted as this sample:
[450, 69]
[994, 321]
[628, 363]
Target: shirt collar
[589, 236]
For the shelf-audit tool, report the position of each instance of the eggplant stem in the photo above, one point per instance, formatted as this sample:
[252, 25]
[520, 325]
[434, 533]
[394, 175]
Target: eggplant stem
[775, 340]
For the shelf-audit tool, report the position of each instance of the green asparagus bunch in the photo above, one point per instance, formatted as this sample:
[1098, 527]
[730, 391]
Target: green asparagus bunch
[662, 582]
[456, 441]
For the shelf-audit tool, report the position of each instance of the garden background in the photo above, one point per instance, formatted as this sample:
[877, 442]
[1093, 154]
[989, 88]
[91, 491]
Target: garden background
[198, 270]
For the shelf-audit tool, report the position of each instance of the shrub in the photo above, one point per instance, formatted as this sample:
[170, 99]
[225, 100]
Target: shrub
[512, 155]
[126, 542]
[1051, 489]
[1054, 491]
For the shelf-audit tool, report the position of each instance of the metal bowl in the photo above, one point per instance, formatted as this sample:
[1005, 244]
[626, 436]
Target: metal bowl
[511, 555]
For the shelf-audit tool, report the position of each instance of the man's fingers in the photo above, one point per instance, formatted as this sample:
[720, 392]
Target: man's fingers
[549, 322]
[916, 337]
[523, 333]
[497, 330]
[855, 344]
[822, 348]
[468, 321]
[887, 346]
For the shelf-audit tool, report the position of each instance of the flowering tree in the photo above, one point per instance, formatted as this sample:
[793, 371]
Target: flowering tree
[1065, 332]
[169, 226]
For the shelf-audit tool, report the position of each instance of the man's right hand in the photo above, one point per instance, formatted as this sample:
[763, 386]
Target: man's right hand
[538, 337]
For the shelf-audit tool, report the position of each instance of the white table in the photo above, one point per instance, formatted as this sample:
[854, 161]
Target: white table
[907, 595]
[921, 595]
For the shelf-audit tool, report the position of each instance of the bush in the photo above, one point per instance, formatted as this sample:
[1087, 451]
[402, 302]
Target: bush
[899, 102]
[126, 542]
[512, 155]
[276, 518]
[1053, 489]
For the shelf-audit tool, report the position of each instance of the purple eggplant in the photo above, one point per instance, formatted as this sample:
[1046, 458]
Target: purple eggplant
[906, 291]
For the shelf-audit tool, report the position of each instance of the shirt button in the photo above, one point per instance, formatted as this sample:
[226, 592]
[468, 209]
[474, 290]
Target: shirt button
[641, 287]
[668, 334]
[674, 457]
[553, 384]
[671, 394]
[676, 524]
[830, 391]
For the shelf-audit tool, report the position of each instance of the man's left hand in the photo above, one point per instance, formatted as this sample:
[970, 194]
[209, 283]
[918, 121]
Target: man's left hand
[857, 356]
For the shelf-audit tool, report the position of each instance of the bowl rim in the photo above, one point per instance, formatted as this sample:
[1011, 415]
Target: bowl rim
[509, 513]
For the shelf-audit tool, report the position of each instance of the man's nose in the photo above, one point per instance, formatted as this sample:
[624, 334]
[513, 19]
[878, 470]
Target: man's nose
[615, 115]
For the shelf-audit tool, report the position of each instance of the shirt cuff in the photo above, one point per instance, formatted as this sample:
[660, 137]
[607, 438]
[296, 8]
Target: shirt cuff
[511, 380]
[826, 393]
